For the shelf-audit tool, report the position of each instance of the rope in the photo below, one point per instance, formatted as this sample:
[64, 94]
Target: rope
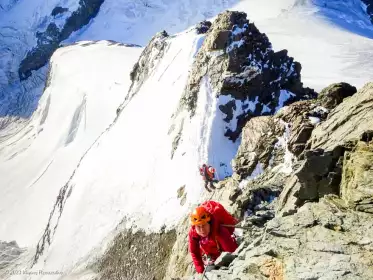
[235, 226]
[204, 272]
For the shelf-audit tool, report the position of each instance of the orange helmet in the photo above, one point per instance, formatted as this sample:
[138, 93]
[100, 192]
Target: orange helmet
[200, 216]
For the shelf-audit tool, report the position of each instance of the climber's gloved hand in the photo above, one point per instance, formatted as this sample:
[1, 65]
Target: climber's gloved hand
[211, 267]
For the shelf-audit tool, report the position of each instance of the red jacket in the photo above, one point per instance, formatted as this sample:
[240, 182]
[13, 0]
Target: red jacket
[208, 245]
[207, 172]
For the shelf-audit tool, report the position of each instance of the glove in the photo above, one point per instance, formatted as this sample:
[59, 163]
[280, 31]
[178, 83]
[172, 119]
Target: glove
[211, 267]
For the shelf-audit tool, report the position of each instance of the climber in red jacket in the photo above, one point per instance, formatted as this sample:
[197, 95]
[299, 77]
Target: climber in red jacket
[208, 175]
[207, 237]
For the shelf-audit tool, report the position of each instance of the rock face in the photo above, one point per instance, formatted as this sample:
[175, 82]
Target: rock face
[319, 174]
[149, 59]
[347, 121]
[247, 76]
[266, 140]
[313, 222]
[203, 27]
[334, 94]
[259, 137]
[336, 153]
[357, 180]
[320, 241]
[48, 41]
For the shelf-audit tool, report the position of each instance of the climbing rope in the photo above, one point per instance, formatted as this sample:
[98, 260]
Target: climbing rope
[235, 226]
[204, 272]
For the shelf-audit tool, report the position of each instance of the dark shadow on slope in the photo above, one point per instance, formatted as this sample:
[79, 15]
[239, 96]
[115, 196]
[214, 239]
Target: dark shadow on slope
[48, 41]
[348, 15]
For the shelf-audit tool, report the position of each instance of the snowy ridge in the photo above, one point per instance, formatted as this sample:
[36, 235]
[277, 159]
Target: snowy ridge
[139, 21]
[25, 25]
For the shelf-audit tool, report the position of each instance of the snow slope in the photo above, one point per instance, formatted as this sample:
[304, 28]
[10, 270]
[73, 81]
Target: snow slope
[296, 21]
[120, 20]
[140, 20]
[19, 22]
[128, 173]
[328, 51]
[77, 106]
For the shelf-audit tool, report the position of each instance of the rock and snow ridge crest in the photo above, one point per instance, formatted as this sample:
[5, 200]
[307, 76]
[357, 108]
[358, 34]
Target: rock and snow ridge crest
[243, 73]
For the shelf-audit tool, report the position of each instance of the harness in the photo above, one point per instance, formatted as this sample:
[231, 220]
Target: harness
[217, 246]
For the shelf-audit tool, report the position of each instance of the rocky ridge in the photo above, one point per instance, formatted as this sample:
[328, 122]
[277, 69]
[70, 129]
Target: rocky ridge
[316, 221]
[245, 74]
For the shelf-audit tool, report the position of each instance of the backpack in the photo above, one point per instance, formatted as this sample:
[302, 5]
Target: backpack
[220, 214]
[207, 172]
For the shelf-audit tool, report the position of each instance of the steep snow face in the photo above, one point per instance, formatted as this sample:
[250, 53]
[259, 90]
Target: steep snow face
[78, 104]
[129, 172]
[29, 33]
[85, 183]
[25, 23]
[31, 30]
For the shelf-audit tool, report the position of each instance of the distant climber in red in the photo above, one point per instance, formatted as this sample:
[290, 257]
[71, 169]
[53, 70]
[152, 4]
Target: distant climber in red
[208, 174]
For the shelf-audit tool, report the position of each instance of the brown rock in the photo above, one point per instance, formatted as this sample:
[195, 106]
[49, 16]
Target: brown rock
[334, 94]
[347, 121]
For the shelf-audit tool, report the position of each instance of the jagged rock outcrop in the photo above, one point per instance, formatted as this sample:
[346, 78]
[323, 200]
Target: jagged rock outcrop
[146, 65]
[247, 76]
[49, 40]
[334, 94]
[319, 174]
[203, 27]
[321, 241]
[148, 61]
[265, 140]
[357, 179]
[302, 118]
[258, 140]
[337, 142]
[347, 121]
